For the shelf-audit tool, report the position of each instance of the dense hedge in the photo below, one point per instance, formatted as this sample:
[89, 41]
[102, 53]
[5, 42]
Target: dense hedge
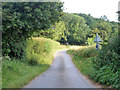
[107, 64]
[39, 49]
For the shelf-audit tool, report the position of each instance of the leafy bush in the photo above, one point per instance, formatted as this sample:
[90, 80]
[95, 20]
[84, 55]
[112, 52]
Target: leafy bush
[38, 49]
[107, 64]
[107, 76]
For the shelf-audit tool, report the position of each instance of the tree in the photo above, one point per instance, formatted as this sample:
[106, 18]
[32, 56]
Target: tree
[21, 19]
[89, 20]
[105, 30]
[55, 32]
[76, 29]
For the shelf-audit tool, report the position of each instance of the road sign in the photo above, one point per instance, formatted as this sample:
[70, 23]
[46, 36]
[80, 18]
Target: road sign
[97, 38]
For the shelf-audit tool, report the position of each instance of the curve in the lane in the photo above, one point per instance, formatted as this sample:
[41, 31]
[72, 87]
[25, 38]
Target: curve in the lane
[61, 74]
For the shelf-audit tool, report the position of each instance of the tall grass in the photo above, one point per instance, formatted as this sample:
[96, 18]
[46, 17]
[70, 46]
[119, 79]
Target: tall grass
[88, 51]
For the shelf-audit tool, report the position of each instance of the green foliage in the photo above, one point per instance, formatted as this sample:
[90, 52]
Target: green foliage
[102, 66]
[79, 29]
[71, 29]
[21, 19]
[108, 64]
[108, 53]
[13, 45]
[76, 29]
[88, 51]
[107, 76]
[114, 27]
[39, 49]
[90, 21]
[16, 74]
[55, 32]
[90, 41]
[105, 30]
[103, 27]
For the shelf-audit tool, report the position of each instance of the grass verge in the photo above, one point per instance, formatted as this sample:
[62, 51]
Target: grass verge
[82, 63]
[16, 74]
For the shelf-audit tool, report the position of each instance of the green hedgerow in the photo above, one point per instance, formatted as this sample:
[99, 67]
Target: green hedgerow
[107, 64]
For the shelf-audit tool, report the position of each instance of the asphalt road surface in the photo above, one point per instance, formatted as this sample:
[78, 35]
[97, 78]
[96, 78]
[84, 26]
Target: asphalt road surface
[61, 74]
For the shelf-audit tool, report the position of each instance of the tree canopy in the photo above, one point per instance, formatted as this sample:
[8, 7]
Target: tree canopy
[77, 29]
[21, 19]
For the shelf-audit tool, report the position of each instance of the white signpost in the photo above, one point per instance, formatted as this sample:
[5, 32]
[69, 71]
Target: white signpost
[97, 40]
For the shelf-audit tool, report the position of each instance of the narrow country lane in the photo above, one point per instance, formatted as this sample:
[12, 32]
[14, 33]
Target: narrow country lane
[61, 74]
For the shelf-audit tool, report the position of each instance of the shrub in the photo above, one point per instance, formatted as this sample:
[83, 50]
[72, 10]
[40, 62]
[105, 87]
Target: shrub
[107, 64]
[106, 75]
[38, 49]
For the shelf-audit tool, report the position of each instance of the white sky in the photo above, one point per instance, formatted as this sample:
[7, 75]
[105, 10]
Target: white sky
[96, 8]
